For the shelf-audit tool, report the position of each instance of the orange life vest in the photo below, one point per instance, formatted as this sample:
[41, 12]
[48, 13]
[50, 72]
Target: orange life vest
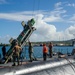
[45, 50]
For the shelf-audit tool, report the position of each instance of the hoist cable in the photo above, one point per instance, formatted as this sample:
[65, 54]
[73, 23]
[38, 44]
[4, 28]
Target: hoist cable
[33, 9]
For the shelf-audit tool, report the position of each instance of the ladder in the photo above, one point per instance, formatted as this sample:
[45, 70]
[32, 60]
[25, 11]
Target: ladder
[22, 38]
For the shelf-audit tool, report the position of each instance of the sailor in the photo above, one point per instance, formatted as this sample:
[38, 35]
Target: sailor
[50, 49]
[30, 51]
[4, 51]
[45, 51]
[16, 51]
[73, 52]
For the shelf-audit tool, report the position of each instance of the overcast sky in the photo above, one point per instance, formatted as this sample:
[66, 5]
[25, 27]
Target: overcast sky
[55, 19]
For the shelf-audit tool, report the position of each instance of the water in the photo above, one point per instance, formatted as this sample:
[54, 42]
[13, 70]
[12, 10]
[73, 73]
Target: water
[38, 50]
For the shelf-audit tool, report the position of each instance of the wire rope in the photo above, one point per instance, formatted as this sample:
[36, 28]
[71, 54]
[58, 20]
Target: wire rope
[33, 8]
[38, 10]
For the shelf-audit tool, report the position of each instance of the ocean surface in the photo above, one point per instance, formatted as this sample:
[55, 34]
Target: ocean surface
[37, 50]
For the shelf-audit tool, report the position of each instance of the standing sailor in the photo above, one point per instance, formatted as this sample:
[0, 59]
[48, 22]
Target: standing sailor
[73, 52]
[50, 49]
[4, 51]
[16, 52]
[45, 51]
[30, 51]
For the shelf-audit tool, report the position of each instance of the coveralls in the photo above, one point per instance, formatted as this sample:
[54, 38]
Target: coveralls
[45, 51]
[16, 52]
[50, 50]
[30, 51]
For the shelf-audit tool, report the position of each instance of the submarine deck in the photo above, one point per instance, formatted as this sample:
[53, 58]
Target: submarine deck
[27, 67]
